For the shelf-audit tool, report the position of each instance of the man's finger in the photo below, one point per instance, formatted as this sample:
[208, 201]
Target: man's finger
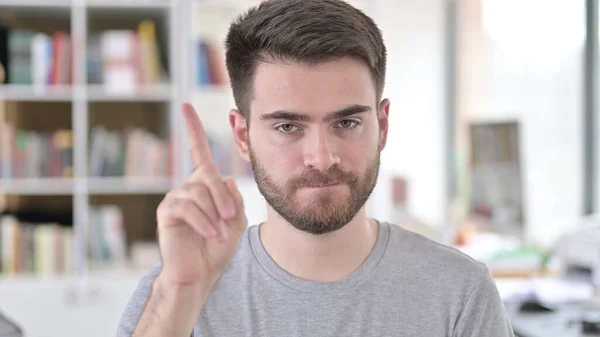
[235, 193]
[220, 196]
[200, 195]
[187, 211]
[199, 146]
[240, 220]
[174, 211]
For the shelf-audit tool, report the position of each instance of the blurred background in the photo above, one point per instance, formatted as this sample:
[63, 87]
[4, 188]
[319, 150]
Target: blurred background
[493, 145]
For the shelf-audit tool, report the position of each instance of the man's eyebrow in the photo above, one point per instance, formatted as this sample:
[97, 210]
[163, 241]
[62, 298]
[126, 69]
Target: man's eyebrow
[286, 115]
[295, 116]
[347, 112]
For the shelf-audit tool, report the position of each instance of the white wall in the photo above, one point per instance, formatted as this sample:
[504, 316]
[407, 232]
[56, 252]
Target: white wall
[549, 107]
[414, 35]
[535, 77]
[597, 148]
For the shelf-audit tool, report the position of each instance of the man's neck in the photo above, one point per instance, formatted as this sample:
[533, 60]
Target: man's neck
[319, 258]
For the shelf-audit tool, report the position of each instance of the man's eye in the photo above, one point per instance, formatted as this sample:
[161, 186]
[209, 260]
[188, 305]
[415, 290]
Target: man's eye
[348, 124]
[287, 128]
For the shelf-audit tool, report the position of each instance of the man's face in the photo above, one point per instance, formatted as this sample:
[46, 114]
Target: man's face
[314, 141]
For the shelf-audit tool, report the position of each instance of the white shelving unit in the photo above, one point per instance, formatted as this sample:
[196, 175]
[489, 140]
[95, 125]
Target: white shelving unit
[82, 96]
[43, 186]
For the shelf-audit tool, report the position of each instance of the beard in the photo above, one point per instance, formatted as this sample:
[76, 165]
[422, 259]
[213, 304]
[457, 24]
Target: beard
[326, 213]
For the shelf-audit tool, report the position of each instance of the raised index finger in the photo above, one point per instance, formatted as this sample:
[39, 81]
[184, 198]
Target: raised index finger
[199, 146]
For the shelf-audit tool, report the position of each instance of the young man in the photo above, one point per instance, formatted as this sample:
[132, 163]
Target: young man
[307, 76]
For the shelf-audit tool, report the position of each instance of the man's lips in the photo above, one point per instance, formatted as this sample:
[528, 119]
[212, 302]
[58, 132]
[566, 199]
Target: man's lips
[323, 185]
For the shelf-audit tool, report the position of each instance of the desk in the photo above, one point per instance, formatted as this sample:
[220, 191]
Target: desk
[559, 323]
[562, 322]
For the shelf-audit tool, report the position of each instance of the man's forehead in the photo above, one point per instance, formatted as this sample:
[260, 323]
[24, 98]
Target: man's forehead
[316, 90]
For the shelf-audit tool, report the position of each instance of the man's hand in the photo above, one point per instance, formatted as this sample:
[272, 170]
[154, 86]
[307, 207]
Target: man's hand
[200, 224]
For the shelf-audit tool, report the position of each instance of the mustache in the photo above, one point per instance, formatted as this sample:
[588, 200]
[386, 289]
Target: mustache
[314, 178]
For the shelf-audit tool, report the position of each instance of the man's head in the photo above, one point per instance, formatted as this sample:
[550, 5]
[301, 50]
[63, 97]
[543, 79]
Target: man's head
[307, 78]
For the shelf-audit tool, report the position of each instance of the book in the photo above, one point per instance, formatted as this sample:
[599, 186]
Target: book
[210, 64]
[33, 154]
[4, 55]
[42, 59]
[106, 235]
[20, 67]
[119, 57]
[149, 66]
[61, 65]
[43, 249]
[124, 60]
[130, 153]
[30, 57]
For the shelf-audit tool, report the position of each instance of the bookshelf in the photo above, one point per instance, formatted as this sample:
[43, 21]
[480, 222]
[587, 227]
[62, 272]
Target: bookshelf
[89, 64]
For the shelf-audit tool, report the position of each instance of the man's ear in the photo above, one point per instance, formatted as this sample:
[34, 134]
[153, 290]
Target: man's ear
[383, 117]
[239, 127]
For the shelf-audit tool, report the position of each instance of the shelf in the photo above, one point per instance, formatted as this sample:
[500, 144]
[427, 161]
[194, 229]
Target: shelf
[35, 3]
[90, 4]
[136, 4]
[123, 186]
[15, 92]
[59, 186]
[229, 5]
[35, 186]
[494, 117]
[99, 93]
[159, 93]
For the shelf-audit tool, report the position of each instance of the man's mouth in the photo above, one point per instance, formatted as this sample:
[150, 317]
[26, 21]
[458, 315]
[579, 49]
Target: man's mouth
[323, 185]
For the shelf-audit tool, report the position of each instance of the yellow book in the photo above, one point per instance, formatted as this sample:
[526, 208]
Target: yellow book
[9, 226]
[66, 141]
[148, 52]
[67, 237]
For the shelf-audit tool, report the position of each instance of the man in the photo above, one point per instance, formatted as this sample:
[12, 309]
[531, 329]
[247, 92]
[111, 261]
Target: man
[307, 76]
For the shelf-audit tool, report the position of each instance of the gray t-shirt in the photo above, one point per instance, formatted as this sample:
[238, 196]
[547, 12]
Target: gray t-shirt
[408, 286]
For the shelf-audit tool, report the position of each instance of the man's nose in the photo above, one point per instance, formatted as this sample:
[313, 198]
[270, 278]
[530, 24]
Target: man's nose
[321, 152]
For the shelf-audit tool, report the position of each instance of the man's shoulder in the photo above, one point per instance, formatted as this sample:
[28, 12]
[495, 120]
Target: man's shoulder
[428, 257]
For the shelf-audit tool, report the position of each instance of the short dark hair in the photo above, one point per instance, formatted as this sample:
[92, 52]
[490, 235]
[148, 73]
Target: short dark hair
[304, 31]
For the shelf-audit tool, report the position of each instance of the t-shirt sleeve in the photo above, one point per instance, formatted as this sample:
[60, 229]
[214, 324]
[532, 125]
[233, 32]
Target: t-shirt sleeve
[136, 304]
[484, 313]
